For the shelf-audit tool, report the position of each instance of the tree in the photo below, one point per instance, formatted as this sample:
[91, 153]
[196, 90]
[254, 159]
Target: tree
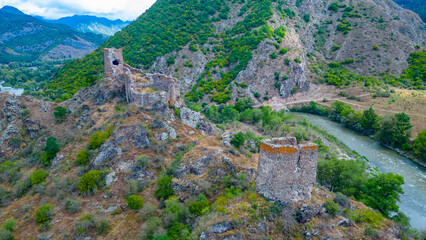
[164, 189]
[369, 121]
[238, 140]
[395, 130]
[60, 114]
[89, 181]
[382, 191]
[135, 202]
[419, 145]
[345, 176]
[51, 149]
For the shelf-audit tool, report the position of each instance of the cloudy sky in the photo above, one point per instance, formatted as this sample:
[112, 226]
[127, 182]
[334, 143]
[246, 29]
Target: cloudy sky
[53, 9]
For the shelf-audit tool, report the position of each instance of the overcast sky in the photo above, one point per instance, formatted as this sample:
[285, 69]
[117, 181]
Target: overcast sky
[54, 9]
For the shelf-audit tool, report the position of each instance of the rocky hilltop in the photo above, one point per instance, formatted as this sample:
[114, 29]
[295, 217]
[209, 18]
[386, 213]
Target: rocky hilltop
[193, 182]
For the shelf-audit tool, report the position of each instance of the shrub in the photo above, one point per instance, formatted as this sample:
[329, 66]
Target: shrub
[196, 208]
[178, 231]
[135, 202]
[335, 48]
[102, 226]
[51, 149]
[375, 47]
[148, 211]
[89, 181]
[238, 140]
[331, 207]
[38, 177]
[10, 225]
[150, 226]
[6, 234]
[84, 224]
[44, 214]
[98, 138]
[297, 60]
[60, 114]
[82, 157]
[73, 206]
[342, 200]
[419, 145]
[164, 189]
[283, 51]
[273, 55]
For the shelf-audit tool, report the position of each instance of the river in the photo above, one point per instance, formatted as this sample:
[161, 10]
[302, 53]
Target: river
[11, 90]
[413, 201]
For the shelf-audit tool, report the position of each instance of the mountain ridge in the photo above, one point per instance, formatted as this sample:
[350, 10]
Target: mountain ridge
[25, 38]
[89, 23]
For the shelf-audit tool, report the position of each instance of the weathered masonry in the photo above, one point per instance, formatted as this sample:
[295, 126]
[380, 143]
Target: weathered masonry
[142, 89]
[286, 170]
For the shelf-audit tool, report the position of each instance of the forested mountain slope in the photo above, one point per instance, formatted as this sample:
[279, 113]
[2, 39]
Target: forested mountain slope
[24, 39]
[221, 49]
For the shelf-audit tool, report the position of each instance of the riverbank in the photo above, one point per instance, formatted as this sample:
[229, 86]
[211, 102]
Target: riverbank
[344, 115]
[11, 90]
[413, 201]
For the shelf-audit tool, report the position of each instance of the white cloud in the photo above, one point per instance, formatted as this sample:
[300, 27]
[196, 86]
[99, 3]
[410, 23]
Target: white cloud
[53, 9]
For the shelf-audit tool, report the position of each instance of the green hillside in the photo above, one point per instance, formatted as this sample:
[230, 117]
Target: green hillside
[24, 38]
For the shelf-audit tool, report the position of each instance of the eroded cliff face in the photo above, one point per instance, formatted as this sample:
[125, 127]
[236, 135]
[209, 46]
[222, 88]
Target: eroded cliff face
[394, 30]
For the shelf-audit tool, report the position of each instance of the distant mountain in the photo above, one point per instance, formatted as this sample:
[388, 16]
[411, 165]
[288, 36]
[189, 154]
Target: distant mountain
[25, 38]
[86, 23]
[417, 6]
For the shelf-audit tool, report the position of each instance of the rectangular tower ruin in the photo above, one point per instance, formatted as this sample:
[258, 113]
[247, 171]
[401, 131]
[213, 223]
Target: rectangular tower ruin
[286, 171]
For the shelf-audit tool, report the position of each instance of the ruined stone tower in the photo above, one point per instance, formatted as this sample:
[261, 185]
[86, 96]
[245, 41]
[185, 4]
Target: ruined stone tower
[113, 61]
[145, 90]
[286, 171]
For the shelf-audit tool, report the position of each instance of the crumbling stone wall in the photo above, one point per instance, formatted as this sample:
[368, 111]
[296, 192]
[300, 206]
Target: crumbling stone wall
[286, 171]
[142, 89]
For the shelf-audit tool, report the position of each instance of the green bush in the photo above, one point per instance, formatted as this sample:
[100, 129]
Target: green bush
[89, 181]
[84, 224]
[178, 231]
[335, 48]
[60, 114]
[196, 208]
[331, 207]
[44, 214]
[135, 202]
[419, 145]
[164, 189]
[6, 234]
[99, 137]
[83, 157]
[38, 176]
[238, 140]
[10, 225]
[51, 149]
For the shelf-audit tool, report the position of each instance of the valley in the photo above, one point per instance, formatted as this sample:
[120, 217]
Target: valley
[214, 119]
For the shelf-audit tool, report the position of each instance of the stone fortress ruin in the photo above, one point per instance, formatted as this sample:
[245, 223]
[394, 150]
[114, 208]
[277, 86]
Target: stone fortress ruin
[286, 171]
[142, 89]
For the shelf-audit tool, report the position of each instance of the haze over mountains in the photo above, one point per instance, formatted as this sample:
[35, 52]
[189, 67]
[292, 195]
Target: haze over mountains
[87, 23]
[26, 38]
